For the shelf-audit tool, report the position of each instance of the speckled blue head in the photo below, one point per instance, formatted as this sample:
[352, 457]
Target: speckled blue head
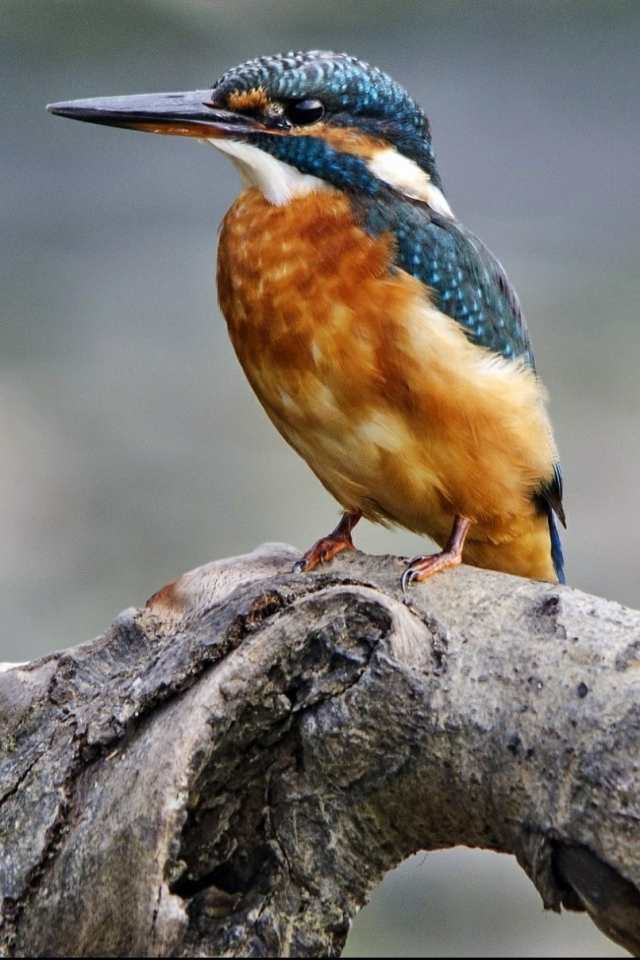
[352, 92]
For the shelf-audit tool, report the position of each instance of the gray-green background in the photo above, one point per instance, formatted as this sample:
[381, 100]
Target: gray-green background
[132, 449]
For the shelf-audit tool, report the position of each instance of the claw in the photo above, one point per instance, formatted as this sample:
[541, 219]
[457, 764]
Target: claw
[407, 577]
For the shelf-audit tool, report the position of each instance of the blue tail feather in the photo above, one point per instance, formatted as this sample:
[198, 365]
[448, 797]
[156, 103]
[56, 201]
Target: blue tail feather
[556, 546]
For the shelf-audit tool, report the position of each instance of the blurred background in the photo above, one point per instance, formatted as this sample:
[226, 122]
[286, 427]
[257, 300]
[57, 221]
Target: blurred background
[131, 447]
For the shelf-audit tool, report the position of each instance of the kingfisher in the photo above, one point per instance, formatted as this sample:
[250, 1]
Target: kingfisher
[381, 336]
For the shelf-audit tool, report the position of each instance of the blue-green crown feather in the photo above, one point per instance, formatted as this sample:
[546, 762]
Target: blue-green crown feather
[353, 93]
[344, 82]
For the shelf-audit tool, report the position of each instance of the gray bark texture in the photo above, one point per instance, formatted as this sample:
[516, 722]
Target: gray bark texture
[231, 769]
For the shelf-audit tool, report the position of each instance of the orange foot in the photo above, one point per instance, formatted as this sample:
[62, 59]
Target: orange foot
[327, 548]
[421, 568]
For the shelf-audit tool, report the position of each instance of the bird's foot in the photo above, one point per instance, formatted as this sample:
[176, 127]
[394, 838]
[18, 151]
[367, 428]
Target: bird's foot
[328, 547]
[321, 552]
[421, 568]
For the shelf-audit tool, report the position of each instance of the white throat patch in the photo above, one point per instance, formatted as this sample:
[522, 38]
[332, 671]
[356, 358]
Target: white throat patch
[278, 181]
[407, 177]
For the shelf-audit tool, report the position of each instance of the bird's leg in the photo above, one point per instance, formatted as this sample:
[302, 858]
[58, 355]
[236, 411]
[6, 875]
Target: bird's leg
[421, 568]
[327, 548]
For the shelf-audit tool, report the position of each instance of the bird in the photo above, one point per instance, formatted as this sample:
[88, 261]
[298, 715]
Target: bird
[381, 336]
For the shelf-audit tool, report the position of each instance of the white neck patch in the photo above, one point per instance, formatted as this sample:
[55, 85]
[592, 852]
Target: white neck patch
[279, 182]
[407, 177]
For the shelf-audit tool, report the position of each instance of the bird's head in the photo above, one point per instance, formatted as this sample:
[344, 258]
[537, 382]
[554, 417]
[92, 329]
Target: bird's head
[296, 123]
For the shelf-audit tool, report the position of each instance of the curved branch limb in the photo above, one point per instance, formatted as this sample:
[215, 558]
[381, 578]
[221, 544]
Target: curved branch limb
[233, 768]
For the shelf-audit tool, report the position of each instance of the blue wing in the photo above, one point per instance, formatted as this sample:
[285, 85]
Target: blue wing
[468, 282]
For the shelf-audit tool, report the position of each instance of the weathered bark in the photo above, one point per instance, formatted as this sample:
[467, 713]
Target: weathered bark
[232, 769]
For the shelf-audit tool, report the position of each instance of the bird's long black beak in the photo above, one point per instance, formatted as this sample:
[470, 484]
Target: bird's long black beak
[181, 114]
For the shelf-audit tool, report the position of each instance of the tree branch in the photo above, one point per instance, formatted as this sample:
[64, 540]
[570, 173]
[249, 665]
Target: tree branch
[233, 768]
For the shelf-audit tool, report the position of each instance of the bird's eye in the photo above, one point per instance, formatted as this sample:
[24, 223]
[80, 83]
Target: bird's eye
[303, 112]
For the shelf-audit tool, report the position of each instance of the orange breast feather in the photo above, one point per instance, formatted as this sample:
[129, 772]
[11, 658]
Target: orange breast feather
[393, 409]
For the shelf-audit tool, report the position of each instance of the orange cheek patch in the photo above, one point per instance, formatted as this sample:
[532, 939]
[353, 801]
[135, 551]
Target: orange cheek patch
[346, 140]
[255, 99]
